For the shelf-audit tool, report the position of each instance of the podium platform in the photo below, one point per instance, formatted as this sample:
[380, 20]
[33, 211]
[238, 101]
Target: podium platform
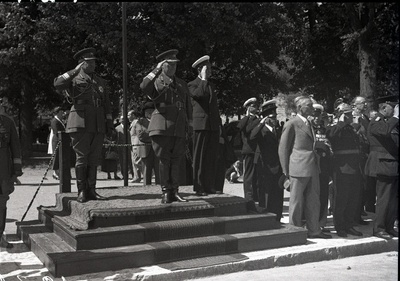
[133, 229]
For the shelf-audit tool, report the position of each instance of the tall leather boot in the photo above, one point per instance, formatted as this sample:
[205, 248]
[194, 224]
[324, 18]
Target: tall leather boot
[3, 242]
[81, 183]
[175, 183]
[164, 181]
[92, 177]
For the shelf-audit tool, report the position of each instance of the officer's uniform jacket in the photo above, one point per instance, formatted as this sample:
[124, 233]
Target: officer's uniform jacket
[91, 109]
[323, 148]
[246, 125]
[383, 158]
[346, 148]
[173, 110]
[10, 150]
[205, 105]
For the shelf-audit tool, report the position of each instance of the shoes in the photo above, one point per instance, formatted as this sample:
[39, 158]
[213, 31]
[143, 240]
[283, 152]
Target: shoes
[55, 176]
[218, 192]
[5, 244]
[342, 233]
[364, 213]
[135, 180]
[384, 235]
[320, 235]
[117, 177]
[201, 193]
[325, 230]
[108, 177]
[354, 232]
[393, 232]
[362, 222]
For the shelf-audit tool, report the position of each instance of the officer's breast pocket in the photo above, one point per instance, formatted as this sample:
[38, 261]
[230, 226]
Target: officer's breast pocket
[76, 118]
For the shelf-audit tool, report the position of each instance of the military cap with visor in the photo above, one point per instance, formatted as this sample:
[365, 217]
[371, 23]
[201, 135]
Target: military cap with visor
[201, 61]
[169, 56]
[268, 108]
[85, 54]
[249, 102]
[392, 100]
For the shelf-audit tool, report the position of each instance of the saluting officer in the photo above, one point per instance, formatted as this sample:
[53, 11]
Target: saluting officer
[89, 119]
[206, 123]
[169, 121]
[10, 165]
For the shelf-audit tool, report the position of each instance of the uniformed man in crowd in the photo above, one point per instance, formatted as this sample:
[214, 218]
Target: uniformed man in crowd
[266, 160]
[89, 119]
[246, 125]
[383, 163]
[347, 158]
[10, 165]
[169, 121]
[206, 122]
[324, 150]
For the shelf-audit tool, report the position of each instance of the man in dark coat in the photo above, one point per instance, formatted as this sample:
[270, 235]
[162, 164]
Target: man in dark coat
[89, 119]
[383, 163]
[206, 122]
[169, 121]
[246, 125]
[266, 159]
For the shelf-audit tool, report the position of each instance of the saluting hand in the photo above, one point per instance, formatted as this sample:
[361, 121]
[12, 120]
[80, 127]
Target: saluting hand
[159, 65]
[203, 73]
[396, 111]
[79, 65]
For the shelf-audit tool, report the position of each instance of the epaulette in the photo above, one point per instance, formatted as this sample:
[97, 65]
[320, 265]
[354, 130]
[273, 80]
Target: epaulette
[378, 118]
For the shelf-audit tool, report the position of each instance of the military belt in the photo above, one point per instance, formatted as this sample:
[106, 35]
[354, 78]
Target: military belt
[347, 151]
[177, 104]
[94, 102]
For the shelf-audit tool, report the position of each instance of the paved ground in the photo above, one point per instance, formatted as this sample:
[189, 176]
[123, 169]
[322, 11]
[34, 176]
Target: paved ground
[369, 262]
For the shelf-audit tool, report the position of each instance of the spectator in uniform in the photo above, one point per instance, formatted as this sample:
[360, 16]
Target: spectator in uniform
[266, 160]
[246, 125]
[347, 158]
[324, 150]
[206, 122]
[89, 119]
[383, 163]
[299, 164]
[169, 121]
[150, 162]
[124, 153]
[57, 125]
[10, 167]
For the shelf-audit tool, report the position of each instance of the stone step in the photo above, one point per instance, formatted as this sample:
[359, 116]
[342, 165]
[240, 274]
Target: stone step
[62, 260]
[162, 230]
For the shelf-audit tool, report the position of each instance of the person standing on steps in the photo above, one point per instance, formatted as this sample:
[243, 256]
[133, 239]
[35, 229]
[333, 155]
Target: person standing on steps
[169, 121]
[89, 119]
[57, 125]
[10, 165]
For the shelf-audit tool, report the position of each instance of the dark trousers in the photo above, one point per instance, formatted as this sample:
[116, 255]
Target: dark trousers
[347, 188]
[87, 147]
[249, 177]
[386, 213]
[150, 164]
[370, 194]
[170, 151]
[205, 153]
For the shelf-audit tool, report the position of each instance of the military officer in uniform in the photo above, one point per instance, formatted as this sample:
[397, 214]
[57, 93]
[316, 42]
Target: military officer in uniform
[246, 125]
[10, 165]
[169, 121]
[347, 174]
[89, 119]
[206, 123]
[383, 163]
[266, 160]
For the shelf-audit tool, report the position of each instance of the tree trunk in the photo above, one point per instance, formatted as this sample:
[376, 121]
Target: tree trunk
[368, 66]
[26, 126]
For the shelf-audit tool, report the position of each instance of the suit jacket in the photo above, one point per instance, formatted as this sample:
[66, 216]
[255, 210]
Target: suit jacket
[205, 105]
[173, 109]
[383, 158]
[296, 149]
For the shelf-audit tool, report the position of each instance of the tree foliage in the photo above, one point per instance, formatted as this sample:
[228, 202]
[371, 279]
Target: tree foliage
[257, 49]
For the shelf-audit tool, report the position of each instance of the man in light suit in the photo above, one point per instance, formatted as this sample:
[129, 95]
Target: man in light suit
[299, 163]
[206, 123]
